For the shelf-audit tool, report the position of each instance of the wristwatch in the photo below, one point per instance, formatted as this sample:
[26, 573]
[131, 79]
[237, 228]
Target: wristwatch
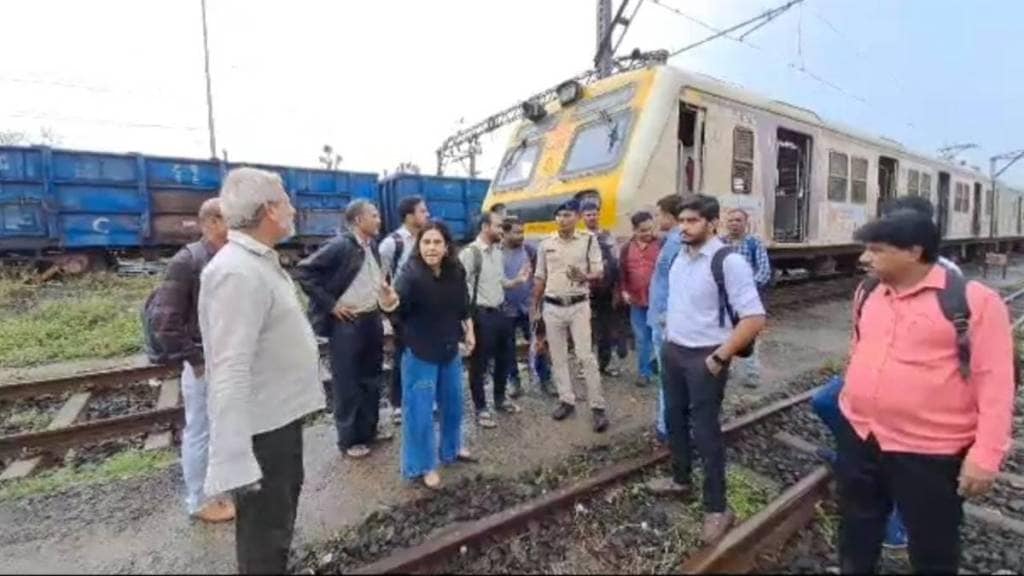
[718, 359]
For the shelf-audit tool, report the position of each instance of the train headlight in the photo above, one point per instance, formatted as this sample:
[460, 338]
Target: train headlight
[534, 111]
[569, 92]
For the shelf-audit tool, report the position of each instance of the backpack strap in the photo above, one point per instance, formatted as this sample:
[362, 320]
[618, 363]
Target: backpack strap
[867, 286]
[478, 264]
[399, 248]
[590, 242]
[718, 273]
[953, 302]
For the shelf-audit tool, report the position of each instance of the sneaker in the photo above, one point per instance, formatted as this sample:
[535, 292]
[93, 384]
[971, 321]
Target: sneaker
[358, 451]
[715, 526]
[507, 407]
[563, 411]
[485, 420]
[895, 533]
[396, 416]
[600, 420]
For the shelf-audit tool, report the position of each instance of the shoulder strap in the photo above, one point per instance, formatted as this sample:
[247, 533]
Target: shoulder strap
[752, 252]
[867, 286]
[953, 302]
[718, 273]
[399, 248]
[590, 242]
[478, 263]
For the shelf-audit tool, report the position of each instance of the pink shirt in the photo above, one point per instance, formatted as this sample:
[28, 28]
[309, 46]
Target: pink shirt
[903, 383]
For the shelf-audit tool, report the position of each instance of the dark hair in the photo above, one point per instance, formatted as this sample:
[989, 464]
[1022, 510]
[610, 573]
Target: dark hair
[511, 222]
[640, 217]
[670, 204]
[918, 204]
[450, 260]
[407, 206]
[499, 207]
[903, 229]
[485, 219]
[706, 206]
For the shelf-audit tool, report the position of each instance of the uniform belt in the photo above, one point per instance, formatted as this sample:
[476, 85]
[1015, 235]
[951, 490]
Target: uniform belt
[488, 309]
[565, 300]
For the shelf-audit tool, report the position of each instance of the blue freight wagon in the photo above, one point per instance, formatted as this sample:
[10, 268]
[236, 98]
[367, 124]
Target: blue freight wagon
[76, 202]
[456, 201]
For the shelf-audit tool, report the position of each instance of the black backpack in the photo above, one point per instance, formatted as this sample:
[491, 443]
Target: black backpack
[156, 350]
[952, 301]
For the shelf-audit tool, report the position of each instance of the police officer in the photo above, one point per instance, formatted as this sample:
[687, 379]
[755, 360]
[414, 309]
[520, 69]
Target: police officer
[567, 262]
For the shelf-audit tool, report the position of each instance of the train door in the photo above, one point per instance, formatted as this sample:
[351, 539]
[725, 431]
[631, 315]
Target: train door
[690, 150]
[976, 218]
[943, 204]
[990, 211]
[888, 169]
[1020, 213]
[792, 185]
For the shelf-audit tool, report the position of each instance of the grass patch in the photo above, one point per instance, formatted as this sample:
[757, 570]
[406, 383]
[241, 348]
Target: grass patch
[29, 419]
[123, 466]
[95, 316]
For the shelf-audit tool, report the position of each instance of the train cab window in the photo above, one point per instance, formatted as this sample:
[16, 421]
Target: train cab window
[925, 189]
[517, 168]
[742, 160]
[859, 181]
[838, 176]
[599, 144]
[913, 182]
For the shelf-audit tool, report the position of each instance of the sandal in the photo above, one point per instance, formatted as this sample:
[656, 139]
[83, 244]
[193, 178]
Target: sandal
[357, 452]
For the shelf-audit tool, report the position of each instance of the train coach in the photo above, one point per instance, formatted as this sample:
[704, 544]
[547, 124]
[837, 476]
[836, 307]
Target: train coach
[629, 139]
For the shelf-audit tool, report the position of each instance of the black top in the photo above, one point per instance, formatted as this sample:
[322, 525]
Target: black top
[432, 310]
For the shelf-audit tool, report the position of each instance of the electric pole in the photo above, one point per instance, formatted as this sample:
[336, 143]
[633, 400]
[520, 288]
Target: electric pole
[209, 90]
[603, 60]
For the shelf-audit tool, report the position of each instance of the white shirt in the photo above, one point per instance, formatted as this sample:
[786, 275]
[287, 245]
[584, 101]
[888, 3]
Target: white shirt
[692, 319]
[261, 357]
[388, 247]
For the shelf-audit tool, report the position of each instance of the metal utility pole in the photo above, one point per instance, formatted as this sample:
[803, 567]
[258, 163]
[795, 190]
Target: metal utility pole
[209, 90]
[603, 60]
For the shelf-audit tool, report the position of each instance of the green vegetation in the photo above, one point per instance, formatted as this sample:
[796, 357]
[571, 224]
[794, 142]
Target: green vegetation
[29, 419]
[95, 316]
[123, 466]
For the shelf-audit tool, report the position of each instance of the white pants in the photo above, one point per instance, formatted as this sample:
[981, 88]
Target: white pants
[195, 439]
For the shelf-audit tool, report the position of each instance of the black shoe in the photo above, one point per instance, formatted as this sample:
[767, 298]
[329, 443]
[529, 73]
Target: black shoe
[563, 411]
[600, 420]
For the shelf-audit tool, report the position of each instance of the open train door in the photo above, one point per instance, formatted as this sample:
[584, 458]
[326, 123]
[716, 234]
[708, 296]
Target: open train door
[888, 168]
[690, 149]
[976, 218]
[943, 212]
[792, 186]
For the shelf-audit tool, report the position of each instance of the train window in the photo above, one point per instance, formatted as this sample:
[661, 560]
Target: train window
[598, 145]
[962, 198]
[859, 181]
[742, 160]
[989, 202]
[838, 176]
[913, 182]
[517, 168]
[926, 186]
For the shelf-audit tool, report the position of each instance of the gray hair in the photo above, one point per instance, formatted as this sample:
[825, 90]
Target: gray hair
[355, 209]
[244, 194]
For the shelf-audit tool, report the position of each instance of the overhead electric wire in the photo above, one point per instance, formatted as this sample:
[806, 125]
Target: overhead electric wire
[767, 14]
[629, 23]
[116, 123]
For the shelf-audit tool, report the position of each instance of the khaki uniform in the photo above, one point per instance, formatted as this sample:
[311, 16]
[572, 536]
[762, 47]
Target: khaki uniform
[572, 315]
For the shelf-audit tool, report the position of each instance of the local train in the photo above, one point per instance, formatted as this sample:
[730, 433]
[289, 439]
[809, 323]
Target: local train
[80, 209]
[631, 138]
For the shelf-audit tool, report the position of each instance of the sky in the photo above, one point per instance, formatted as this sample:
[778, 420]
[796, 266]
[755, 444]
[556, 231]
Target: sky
[385, 81]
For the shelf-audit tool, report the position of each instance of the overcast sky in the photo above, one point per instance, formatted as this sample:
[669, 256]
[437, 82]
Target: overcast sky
[385, 81]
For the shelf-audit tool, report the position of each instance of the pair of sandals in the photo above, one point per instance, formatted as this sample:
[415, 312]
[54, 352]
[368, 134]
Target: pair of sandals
[432, 480]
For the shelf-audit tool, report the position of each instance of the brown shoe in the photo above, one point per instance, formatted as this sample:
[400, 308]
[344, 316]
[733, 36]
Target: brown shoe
[217, 511]
[715, 526]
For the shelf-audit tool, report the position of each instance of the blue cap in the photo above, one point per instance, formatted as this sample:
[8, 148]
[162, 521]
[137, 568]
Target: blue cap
[571, 205]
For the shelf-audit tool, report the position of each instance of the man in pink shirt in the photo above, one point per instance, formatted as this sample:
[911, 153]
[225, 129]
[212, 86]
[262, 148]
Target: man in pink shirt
[928, 419]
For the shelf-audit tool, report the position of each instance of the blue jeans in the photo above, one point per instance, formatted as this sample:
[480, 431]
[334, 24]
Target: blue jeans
[658, 338]
[825, 404]
[422, 384]
[644, 341]
[195, 438]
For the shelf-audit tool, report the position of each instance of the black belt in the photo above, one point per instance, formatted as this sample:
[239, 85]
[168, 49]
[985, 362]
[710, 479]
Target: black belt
[566, 300]
[488, 309]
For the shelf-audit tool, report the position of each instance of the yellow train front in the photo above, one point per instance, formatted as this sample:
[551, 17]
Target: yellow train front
[632, 138]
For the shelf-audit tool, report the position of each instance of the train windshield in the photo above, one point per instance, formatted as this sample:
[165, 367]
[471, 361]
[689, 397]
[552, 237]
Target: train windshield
[517, 168]
[598, 145]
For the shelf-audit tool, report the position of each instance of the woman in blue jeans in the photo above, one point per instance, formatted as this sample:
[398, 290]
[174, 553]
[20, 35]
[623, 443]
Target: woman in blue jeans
[434, 317]
[826, 405]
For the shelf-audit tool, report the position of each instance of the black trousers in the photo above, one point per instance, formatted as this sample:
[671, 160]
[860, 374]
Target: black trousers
[395, 394]
[356, 356]
[606, 327]
[693, 400]
[922, 486]
[265, 519]
[492, 330]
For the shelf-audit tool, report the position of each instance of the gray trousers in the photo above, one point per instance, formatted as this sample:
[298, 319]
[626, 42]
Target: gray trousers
[265, 519]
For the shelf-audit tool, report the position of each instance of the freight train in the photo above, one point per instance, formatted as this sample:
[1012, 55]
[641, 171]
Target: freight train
[807, 184]
[80, 210]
